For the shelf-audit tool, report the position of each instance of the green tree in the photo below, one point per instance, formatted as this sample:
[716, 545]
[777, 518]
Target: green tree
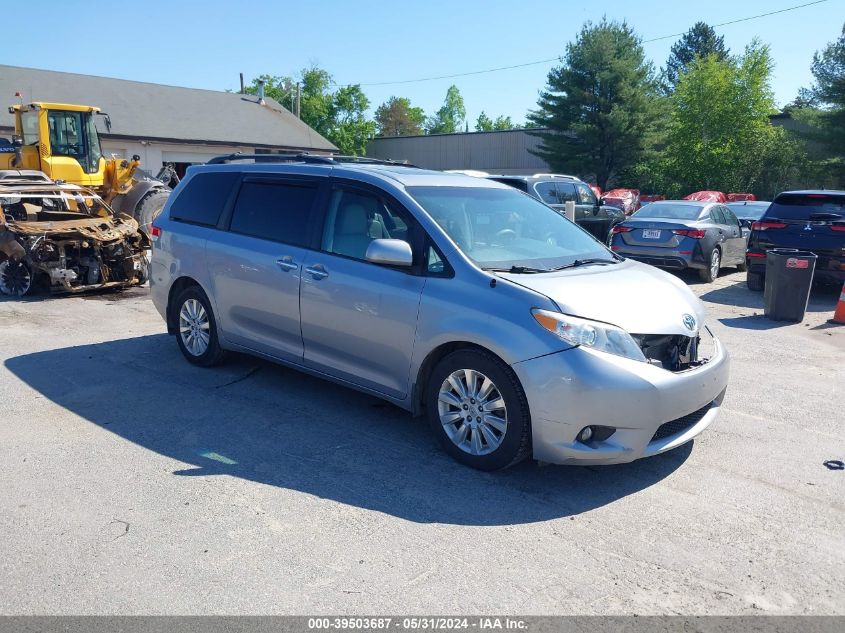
[450, 118]
[396, 117]
[503, 123]
[597, 106]
[350, 129]
[340, 116]
[829, 93]
[317, 101]
[483, 123]
[700, 41]
[720, 136]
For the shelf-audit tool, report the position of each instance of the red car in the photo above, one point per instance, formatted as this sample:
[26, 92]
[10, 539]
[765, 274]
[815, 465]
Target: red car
[741, 197]
[707, 196]
[628, 200]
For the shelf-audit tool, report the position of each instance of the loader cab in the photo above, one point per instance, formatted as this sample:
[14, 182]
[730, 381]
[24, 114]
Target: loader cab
[61, 140]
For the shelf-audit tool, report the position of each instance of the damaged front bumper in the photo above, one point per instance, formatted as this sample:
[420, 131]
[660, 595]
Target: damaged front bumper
[647, 409]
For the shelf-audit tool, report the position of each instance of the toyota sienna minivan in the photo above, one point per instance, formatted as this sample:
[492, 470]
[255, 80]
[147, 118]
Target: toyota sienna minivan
[513, 331]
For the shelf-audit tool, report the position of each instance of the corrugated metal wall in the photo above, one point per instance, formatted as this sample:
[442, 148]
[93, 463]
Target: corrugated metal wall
[504, 152]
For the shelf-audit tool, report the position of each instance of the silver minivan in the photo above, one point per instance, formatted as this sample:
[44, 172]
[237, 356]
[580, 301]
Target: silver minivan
[510, 328]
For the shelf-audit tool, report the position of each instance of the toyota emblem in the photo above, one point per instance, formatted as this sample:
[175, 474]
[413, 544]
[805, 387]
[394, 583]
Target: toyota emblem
[689, 322]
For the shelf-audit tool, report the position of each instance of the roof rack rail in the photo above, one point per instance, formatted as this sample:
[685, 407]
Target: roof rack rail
[274, 158]
[315, 159]
[544, 175]
[366, 160]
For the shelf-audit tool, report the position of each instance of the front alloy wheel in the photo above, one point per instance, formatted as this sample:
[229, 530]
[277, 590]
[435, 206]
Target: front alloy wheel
[478, 410]
[472, 412]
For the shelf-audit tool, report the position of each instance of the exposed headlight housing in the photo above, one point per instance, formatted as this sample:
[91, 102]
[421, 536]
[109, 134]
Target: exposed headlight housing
[592, 334]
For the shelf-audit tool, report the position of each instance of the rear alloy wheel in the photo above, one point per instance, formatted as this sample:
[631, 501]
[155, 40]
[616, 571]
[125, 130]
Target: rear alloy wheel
[478, 411]
[15, 278]
[755, 281]
[196, 329]
[710, 273]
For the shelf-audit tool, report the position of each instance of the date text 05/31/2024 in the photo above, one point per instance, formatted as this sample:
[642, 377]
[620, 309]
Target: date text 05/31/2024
[416, 623]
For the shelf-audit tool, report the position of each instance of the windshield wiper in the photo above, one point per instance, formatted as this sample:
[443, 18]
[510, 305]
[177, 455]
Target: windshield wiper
[518, 270]
[587, 261]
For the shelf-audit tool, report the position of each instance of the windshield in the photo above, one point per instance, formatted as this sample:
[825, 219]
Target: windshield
[74, 134]
[802, 206]
[503, 228]
[670, 211]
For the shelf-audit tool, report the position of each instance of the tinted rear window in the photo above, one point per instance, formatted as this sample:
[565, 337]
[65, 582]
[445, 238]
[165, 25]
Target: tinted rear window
[670, 211]
[203, 198]
[802, 206]
[274, 211]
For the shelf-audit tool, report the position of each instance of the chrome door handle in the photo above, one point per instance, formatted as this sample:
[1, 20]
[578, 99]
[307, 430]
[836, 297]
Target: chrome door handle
[287, 263]
[317, 271]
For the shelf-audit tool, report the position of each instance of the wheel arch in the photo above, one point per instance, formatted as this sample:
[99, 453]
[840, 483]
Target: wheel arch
[435, 356]
[176, 288]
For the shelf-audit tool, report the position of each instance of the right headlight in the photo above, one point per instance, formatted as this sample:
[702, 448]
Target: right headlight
[592, 334]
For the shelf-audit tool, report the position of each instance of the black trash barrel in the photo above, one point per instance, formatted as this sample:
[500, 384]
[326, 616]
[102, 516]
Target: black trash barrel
[789, 276]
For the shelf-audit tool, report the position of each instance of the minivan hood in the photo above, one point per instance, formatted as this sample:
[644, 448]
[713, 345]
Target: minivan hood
[634, 296]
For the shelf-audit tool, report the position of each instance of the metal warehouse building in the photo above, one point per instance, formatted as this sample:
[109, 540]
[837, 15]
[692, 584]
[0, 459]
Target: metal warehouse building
[504, 152]
[165, 123]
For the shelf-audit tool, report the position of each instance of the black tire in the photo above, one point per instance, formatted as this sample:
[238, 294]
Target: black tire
[707, 274]
[16, 278]
[755, 281]
[213, 354]
[516, 442]
[149, 207]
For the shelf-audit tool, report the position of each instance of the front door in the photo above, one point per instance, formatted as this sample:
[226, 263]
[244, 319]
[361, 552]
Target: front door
[256, 266]
[359, 319]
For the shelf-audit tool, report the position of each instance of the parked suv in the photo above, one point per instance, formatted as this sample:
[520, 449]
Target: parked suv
[443, 294]
[806, 220]
[557, 189]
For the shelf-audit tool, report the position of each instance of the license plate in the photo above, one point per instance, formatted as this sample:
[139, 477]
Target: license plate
[651, 234]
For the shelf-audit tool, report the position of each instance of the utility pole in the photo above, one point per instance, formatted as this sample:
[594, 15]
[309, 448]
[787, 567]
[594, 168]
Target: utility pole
[298, 100]
[242, 83]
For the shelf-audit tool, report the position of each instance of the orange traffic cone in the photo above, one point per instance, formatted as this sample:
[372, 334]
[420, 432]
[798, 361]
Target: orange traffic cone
[839, 315]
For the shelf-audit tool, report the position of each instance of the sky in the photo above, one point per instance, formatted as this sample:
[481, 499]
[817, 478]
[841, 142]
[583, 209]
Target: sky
[206, 44]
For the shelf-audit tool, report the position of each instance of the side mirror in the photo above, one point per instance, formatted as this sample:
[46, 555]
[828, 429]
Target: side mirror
[390, 252]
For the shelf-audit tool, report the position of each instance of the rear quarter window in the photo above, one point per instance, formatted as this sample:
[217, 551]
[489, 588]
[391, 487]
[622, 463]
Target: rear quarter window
[794, 206]
[203, 198]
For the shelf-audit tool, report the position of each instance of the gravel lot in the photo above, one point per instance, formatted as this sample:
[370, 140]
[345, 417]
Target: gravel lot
[134, 483]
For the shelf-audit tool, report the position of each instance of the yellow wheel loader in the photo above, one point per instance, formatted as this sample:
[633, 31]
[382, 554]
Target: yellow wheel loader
[61, 140]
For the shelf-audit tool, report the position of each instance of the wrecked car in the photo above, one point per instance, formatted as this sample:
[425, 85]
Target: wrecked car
[64, 238]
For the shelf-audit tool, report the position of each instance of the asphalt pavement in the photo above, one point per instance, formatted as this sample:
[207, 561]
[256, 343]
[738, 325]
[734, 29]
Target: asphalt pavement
[134, 483]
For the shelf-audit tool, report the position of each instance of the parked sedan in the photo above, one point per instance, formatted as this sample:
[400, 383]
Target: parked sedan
[682, 234]
[748, 212]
